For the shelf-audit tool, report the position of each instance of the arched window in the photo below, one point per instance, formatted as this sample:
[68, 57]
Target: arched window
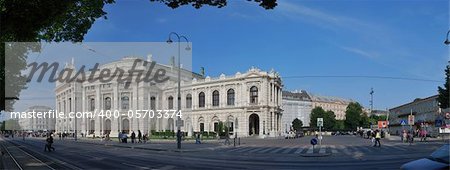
[125, 102]
[107, 103]
[254, 95]
[170, 103]
[215, 98]
[230, 97]
[201, 99]
[92, 104]
[188, 101]
[153, 103]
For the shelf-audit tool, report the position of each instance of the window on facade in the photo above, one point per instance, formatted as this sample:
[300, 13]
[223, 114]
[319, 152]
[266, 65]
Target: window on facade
[216, 127]
[153, 103]
[107, 103]
[201, 99]
[189, 101]
[202, 127]
[254, 95]
[215, 98]
[231, 128]
[125, 102]
[92, 104]
[170, 103]
[70, 104]
[230, 97]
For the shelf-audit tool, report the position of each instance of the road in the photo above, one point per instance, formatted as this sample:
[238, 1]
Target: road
[345, 152]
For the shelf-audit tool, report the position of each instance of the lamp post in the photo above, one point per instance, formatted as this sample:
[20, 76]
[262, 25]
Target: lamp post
[179, 82]
[447, 42]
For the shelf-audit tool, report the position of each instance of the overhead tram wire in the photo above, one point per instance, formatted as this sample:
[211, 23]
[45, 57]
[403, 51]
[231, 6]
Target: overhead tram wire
[364, 77]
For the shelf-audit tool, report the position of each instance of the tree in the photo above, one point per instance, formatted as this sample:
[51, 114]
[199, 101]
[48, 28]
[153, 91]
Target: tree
[329, 118]
[443, 97]
[339, 125]
[48, 21]
[353, 116]
[297, 124]
[364, 120]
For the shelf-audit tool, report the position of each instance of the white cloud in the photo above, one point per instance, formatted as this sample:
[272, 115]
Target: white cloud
[360, 52]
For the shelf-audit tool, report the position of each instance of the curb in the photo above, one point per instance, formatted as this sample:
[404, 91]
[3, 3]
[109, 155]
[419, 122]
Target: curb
[315, 154]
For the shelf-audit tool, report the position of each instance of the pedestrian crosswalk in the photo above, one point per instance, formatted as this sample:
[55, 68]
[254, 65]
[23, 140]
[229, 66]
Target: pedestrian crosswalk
[324, 149]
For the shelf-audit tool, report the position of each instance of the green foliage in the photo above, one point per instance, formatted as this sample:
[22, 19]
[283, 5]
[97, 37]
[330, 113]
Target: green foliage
[374, 119]
[353, 116]
[329, 119]
[266, 4]
[339, 125]
[443, 97]
[297, 124]
[364, 120]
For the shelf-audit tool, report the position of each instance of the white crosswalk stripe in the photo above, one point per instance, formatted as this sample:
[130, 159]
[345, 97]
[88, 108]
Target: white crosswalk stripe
[245, 149]
[299, 150]
[323, 149]
[257, 149]
[279, 149]
[345, 150]
[288, 150]
[333, 149]
[310, 150]
[265, 150]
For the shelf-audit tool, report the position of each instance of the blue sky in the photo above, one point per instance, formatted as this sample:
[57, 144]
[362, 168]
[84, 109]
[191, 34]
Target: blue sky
[301, 38]
[304, 38]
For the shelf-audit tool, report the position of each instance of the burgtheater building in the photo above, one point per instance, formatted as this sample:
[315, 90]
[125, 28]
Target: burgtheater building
[249, 103]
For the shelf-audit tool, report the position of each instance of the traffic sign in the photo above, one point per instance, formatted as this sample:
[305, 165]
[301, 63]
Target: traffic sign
[319, 122]
[402, 122]
[411, 120]
[313, 141]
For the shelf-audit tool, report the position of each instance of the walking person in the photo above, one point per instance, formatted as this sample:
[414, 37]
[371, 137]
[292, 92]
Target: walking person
[48, 145]
[197, 139]
[133, 137]
[139, 136]
[120, 137]
[377, 138]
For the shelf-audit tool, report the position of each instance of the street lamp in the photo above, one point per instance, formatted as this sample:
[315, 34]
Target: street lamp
[169, 41]
[447, 42]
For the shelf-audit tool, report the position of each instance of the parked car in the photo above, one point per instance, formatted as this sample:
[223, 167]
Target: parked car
[439, 159]
[6, 135]
[300, 134]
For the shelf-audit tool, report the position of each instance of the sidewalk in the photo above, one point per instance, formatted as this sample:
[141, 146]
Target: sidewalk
[156, 145]
[416, 139]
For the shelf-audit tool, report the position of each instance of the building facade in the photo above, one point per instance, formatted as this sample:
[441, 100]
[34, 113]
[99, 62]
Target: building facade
[425, 112]
[335, 104]
[296, 104]
[35, 124]
[249, 103]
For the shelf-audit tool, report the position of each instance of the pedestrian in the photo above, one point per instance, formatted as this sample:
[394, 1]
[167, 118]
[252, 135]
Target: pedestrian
[133, 137]
[377, 138]
[120, 137]
[368, 134]
[145, 138]
[139, 136]
[48, 145]
[405, 136]
[197, 139]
